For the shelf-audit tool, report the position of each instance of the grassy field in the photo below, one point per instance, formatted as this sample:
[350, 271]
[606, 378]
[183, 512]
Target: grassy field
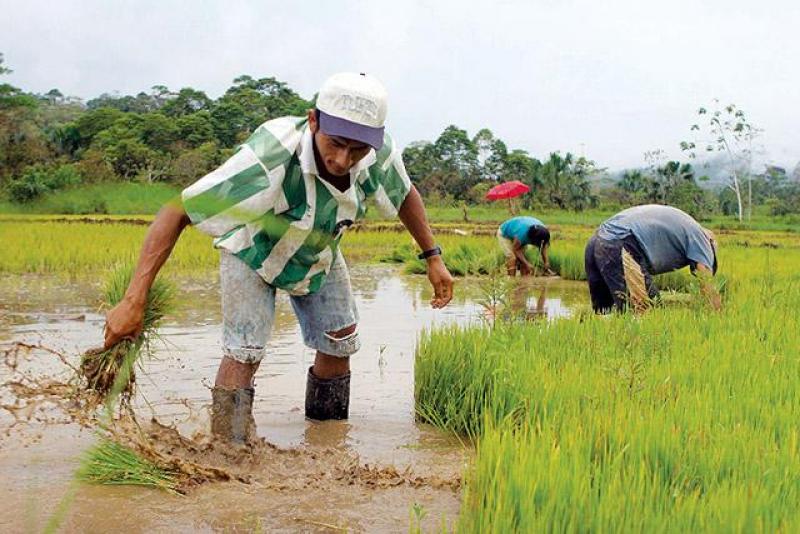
[120, 198]
[679, 420]
[131, 198]
[75, 244]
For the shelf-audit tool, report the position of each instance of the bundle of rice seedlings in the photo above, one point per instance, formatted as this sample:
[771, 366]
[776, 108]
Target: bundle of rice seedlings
[108, 462]
[111, 371]
[638, 298]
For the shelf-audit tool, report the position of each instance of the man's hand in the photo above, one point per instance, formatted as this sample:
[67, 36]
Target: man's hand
[441, 280]
[126, 319]
[412, 214]
[123, 321]
[707, 287]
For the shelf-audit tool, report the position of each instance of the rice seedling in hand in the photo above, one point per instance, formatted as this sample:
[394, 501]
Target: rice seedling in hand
[110, 372]
[108, 462]
[638, 298]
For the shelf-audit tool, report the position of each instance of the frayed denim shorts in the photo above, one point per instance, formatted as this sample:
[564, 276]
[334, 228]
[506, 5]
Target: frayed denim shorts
[248, 311]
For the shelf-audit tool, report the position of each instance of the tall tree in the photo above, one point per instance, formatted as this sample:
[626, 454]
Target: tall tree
[492, 153]
[186, 102]
[726, 130]
[518, 165]
[3, 70]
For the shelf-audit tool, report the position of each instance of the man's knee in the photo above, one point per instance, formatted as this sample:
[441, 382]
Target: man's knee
[342, 342]
[246, 354]
[342, 333]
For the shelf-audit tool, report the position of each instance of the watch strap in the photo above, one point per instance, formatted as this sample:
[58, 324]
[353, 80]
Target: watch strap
[435, 251]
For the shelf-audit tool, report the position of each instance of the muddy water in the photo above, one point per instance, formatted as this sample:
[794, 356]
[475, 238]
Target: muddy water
[36, 464]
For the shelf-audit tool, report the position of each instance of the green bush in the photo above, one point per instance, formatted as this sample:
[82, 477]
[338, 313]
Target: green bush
[40, 179]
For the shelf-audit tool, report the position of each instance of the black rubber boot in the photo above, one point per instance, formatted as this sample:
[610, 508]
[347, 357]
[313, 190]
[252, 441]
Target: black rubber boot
[327, 398]
[232, 414]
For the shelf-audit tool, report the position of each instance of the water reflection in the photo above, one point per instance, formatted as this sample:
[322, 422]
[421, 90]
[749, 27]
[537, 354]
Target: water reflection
[540, 299]
[394, 309]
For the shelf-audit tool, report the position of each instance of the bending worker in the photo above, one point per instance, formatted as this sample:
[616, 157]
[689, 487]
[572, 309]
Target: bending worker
[517, 233]
[660, 239]
[277, 210]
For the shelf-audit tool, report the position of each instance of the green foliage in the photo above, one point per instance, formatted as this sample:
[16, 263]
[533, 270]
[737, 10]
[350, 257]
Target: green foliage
[726, 130]
[565, 182]
[457, 167]
[195, 129]
[788, 202]
[109, 197]
[188, 101]
[80, 133]
[194, 163]
[12, 97]
[3, 70]
[40, 179]
[131, 157]
[672, 183]
[155, 136]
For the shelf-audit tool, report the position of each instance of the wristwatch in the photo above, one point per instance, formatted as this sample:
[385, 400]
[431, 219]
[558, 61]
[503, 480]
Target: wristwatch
[435, 251]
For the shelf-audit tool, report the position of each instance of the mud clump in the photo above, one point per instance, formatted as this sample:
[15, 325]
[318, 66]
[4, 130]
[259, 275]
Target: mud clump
[62, 398]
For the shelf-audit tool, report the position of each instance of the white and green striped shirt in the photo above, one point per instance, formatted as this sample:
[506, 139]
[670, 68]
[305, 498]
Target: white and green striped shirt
[268, 205]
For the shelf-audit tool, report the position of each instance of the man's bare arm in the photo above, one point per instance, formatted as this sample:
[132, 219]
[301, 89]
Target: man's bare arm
[412, 215]
[546, 259]
[125, 320]
[519, 253]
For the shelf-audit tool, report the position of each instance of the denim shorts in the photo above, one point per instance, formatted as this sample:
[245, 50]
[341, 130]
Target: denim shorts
[248, 311]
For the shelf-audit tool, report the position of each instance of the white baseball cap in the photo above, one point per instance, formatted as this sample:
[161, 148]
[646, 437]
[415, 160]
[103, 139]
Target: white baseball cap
[353, 106]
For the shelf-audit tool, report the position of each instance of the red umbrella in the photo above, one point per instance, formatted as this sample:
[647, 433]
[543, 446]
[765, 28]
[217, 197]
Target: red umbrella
[510, 189]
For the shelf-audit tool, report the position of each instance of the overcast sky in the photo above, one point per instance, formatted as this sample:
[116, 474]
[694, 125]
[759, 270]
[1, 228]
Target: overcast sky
[607, 79]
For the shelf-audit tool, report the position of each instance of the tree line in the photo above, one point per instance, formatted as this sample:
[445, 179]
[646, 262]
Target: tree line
[51, 141]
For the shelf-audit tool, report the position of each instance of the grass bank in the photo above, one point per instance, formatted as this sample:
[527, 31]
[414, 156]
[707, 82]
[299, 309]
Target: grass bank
[126, 198]
[75, 244]
[116, 198]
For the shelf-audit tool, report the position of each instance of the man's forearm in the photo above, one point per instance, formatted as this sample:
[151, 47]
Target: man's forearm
[412, 215]
[520, 254]
[158, 244]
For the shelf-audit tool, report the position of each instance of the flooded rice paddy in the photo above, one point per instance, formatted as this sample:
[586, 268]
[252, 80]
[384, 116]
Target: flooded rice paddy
[365, 474]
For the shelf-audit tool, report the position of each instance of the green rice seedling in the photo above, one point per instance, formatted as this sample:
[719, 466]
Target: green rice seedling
[566, 259]
[111, 372]
[467, 258]
[75, 248]
[495, 290]
[400, 254]
[680, 280]
[108, 462]
[681, 419]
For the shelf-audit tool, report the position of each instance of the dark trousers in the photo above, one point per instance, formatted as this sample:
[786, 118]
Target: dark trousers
[605, 274]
